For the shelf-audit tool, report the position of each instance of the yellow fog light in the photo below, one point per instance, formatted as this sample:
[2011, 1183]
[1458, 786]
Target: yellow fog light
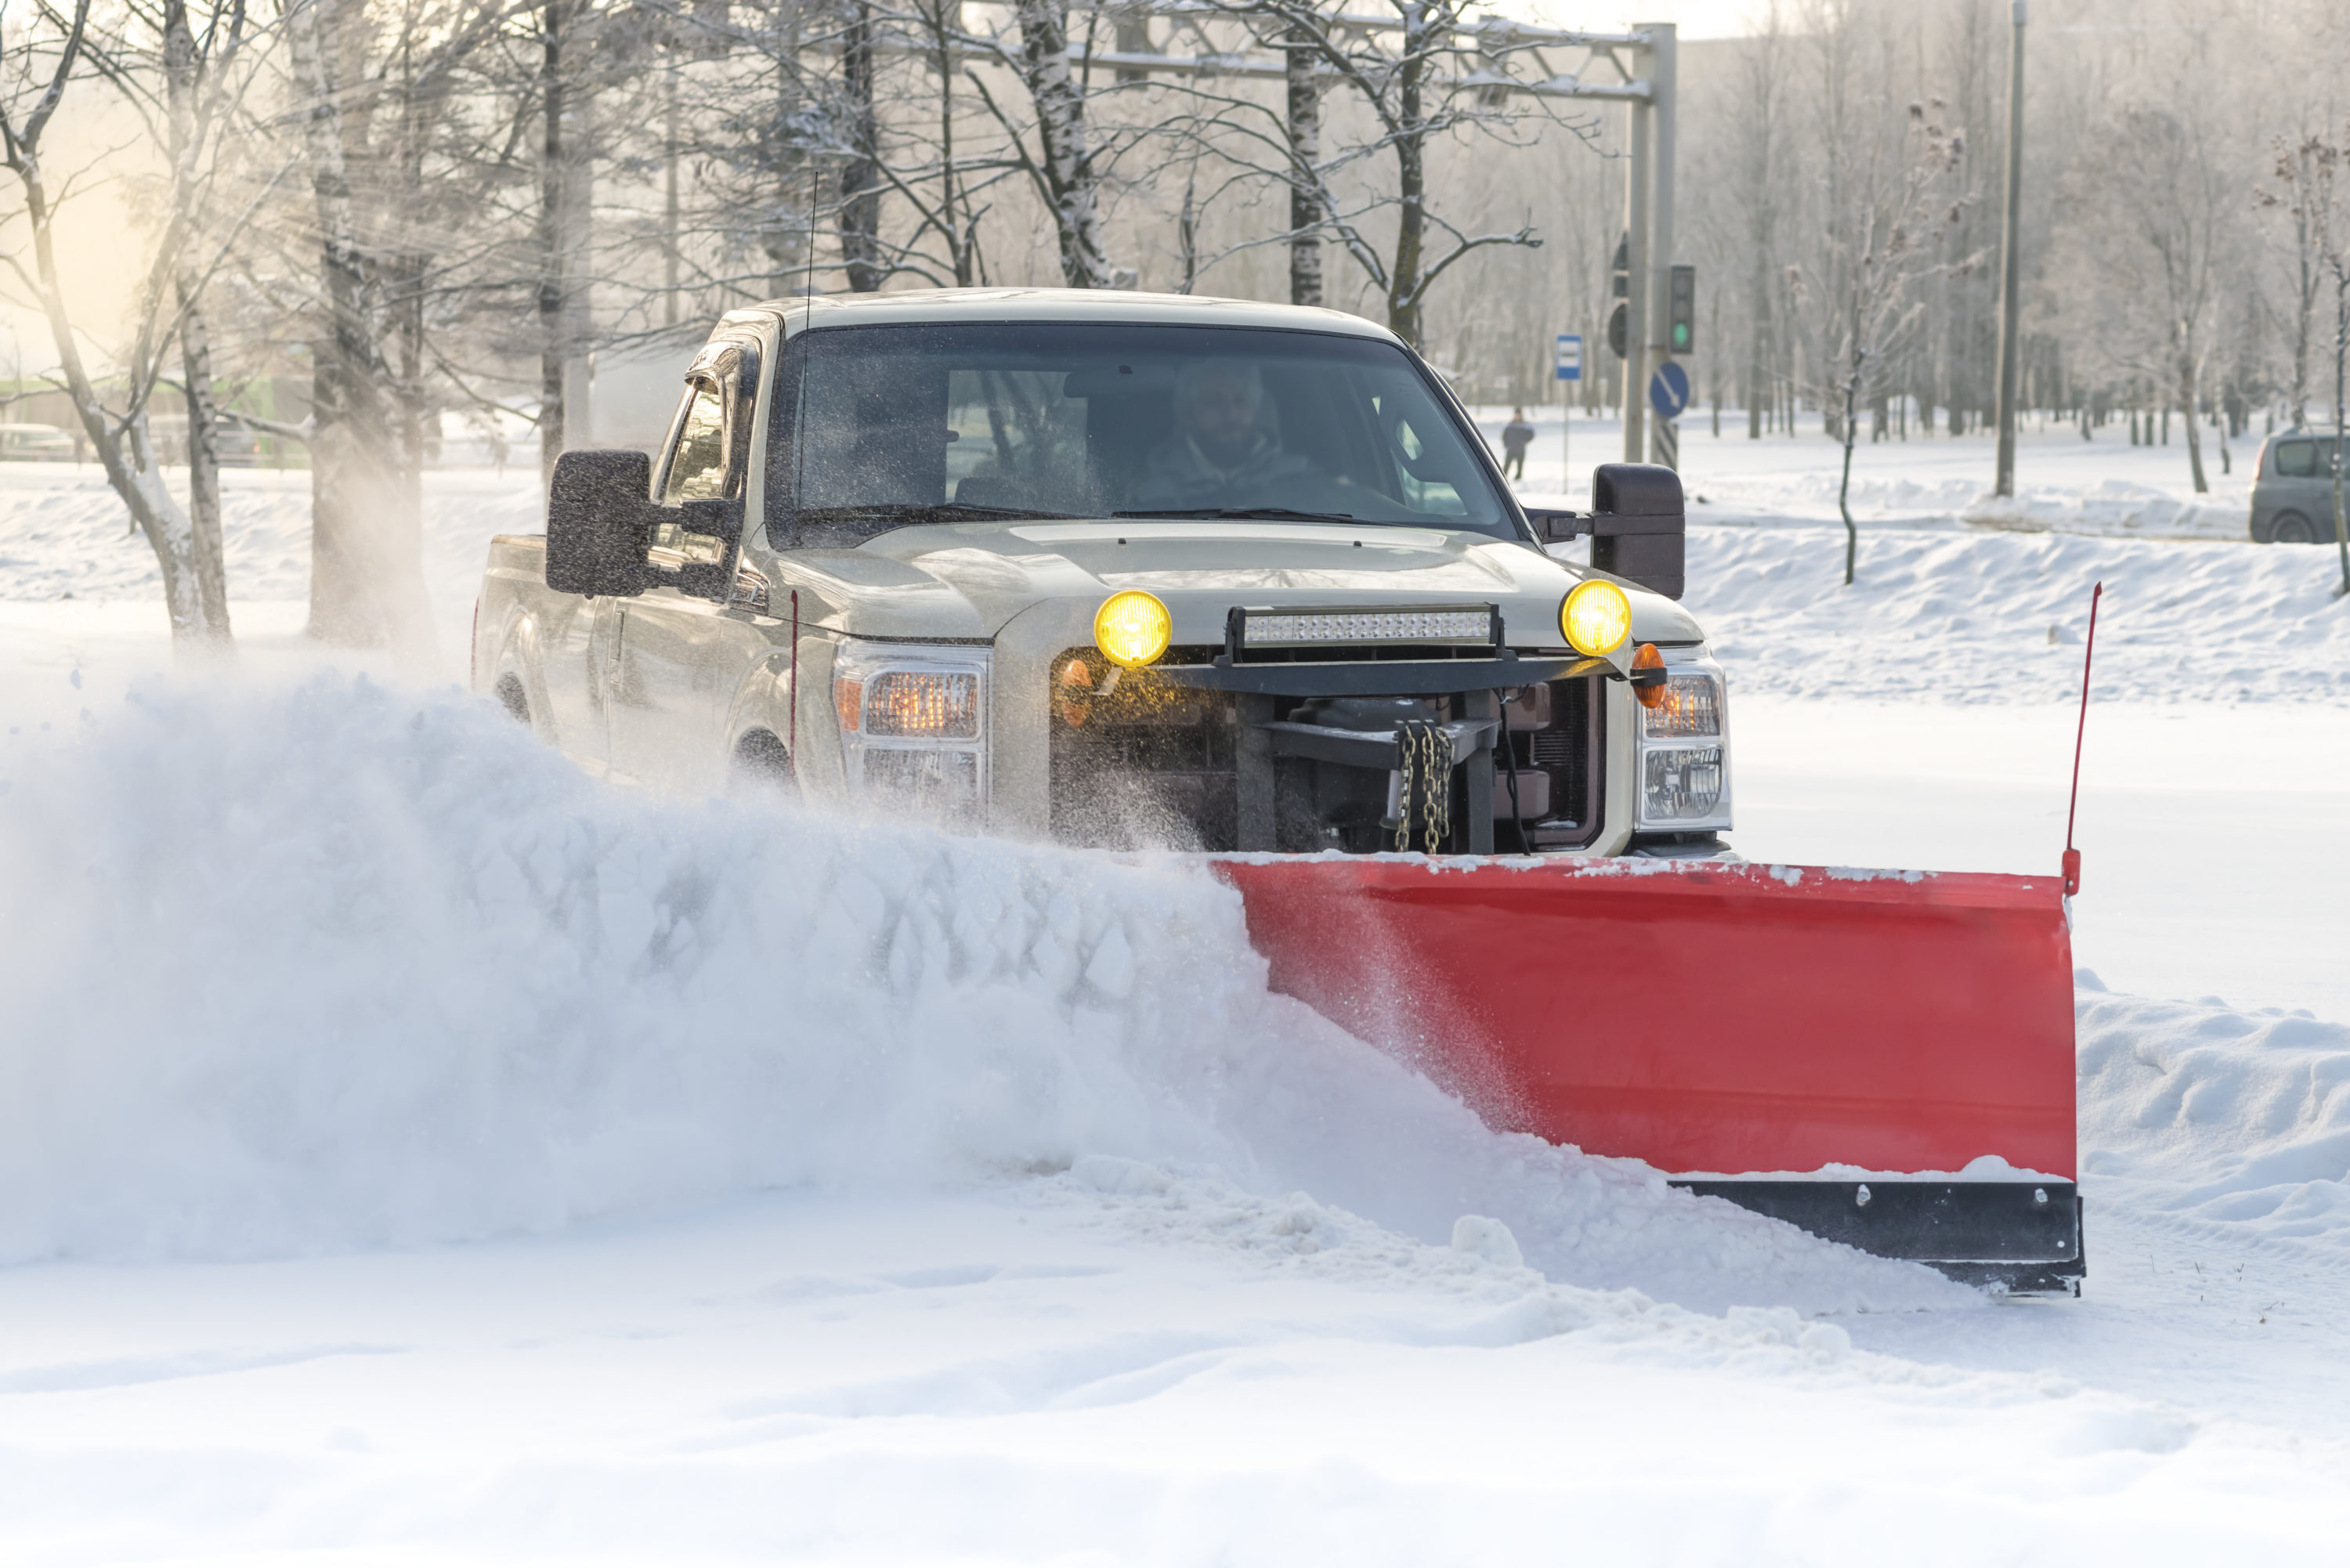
[1133, 629]
[1596, 617]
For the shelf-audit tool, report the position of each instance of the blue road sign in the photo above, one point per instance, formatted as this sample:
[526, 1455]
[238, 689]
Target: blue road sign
[1668, 390]
[1570, 357]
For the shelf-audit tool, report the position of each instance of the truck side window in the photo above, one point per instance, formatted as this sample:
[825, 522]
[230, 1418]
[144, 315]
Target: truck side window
[702, 467]
[697, 471]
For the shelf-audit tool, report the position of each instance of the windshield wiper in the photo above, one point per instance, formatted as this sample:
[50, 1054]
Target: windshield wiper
[930, 512]
[1257, 512]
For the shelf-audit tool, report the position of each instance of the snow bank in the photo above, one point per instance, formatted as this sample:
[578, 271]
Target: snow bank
[2107, 506]
[64, 534]
[2206, 1116]
[336, 967]
[2117, 506]
[1963, 615]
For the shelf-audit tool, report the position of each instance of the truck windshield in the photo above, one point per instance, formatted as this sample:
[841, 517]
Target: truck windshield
[879, 427]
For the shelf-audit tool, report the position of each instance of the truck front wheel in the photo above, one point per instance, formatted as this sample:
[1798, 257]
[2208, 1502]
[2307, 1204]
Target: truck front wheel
[516, 701]
[763, 767]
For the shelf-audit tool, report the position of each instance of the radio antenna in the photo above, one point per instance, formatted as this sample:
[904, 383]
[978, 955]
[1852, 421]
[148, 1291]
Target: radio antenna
[2073, 856]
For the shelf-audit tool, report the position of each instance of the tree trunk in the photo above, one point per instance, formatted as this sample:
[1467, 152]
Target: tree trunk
[1844, 485]
[206, 563]
[2341, 415]
[1404, 282]
[365, 591]
[860, 185]
[1070, 180]
[1305, 214]
[131, 473]
[553, 201]
[2189, 395]
[1187, 237]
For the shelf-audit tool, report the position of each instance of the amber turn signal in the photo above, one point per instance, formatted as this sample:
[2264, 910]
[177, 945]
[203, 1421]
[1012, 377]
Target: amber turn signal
[1073, 691]
[1649, 675]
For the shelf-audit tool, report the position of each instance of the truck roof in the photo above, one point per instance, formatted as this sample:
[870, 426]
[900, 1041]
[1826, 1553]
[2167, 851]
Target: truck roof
[1119, 305]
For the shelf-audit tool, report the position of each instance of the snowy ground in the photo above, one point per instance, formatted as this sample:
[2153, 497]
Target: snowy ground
[410, 1151]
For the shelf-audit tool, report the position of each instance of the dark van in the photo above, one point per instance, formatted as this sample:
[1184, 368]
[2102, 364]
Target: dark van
[2293, 496]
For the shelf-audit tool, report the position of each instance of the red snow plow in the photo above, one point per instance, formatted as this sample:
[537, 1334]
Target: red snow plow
[1834, 1048]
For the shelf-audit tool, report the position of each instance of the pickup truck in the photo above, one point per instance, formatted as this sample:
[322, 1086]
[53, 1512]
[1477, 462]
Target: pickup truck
[1114, 570]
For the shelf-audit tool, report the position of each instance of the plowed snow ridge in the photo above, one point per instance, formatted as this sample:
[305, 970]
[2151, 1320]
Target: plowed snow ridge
[2198, 1115]
[338, 966]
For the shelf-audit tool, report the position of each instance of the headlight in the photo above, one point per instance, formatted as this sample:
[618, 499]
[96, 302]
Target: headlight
[1596, 617]
[929, 704]
[1680, 784]
[913, 727]
[1684, 775]
[1688, 704]
[1133, 629]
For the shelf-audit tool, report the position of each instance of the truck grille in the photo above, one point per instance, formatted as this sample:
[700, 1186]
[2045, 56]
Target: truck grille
[1150, 764]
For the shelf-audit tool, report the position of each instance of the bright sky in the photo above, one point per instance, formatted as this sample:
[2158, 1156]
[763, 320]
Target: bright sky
[1697, 18]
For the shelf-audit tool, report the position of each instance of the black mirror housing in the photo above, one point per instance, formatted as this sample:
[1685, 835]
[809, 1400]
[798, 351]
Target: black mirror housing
[1556, 527]
[715, 518]
[1639, 527]
[599, 524]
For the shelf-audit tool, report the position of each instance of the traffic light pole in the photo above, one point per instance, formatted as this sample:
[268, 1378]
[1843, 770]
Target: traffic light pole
[1635, 301]
[2011, 270]
[1663, 50]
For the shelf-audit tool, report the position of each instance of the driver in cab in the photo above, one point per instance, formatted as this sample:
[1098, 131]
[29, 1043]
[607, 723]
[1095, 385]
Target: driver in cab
[1222, 454]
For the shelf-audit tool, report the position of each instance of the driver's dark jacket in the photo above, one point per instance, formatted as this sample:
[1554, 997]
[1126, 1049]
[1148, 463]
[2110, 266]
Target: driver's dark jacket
[1179, 477]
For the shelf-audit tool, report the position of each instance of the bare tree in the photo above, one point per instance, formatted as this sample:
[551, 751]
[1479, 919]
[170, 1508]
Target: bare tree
[1883, 230]
[2301, 185]
[199, 89]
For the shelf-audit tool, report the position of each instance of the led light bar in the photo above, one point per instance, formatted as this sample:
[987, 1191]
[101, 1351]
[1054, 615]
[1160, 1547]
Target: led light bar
[1475, 626]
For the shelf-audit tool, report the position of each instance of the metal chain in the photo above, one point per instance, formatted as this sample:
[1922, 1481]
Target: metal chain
[1427, 783]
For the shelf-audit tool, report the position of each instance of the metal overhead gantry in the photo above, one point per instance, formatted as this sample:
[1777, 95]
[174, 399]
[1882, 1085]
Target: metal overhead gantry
[1644, 59]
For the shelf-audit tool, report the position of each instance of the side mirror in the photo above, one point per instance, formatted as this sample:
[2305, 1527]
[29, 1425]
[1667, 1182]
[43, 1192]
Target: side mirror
[715, 518]
[1639, 528]
[598, 522]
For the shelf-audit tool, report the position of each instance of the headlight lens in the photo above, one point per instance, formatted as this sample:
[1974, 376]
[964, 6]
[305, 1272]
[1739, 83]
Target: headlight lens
[1680, 783]
[912, 727]
[1597, 619]
[1689, 704]
[929, 704]
[1133, 629]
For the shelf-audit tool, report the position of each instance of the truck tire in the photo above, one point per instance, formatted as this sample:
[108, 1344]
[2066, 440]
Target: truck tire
[2291, 528]
[763, 767]
[516, 701]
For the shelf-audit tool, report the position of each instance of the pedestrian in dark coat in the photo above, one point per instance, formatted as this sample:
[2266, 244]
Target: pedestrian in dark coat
[1516, 436]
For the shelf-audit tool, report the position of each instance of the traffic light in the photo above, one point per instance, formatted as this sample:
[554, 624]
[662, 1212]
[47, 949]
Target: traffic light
[1681, 311]
[1623, 291]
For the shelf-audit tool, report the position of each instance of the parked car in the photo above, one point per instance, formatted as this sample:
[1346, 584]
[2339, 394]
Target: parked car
[2292, 493]
[36, 443]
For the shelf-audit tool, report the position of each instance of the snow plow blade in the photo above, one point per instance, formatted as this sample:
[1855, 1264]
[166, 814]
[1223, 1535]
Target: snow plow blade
[1743, 1028]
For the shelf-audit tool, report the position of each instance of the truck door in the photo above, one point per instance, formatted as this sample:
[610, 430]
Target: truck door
[578, 664]
[680, 659]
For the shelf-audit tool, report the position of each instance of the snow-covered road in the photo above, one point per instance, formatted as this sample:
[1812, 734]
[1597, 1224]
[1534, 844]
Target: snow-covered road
[1043, 1373]
[427, 1170]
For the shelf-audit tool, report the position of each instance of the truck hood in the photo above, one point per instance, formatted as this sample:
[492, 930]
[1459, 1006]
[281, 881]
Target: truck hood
[967, 579]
